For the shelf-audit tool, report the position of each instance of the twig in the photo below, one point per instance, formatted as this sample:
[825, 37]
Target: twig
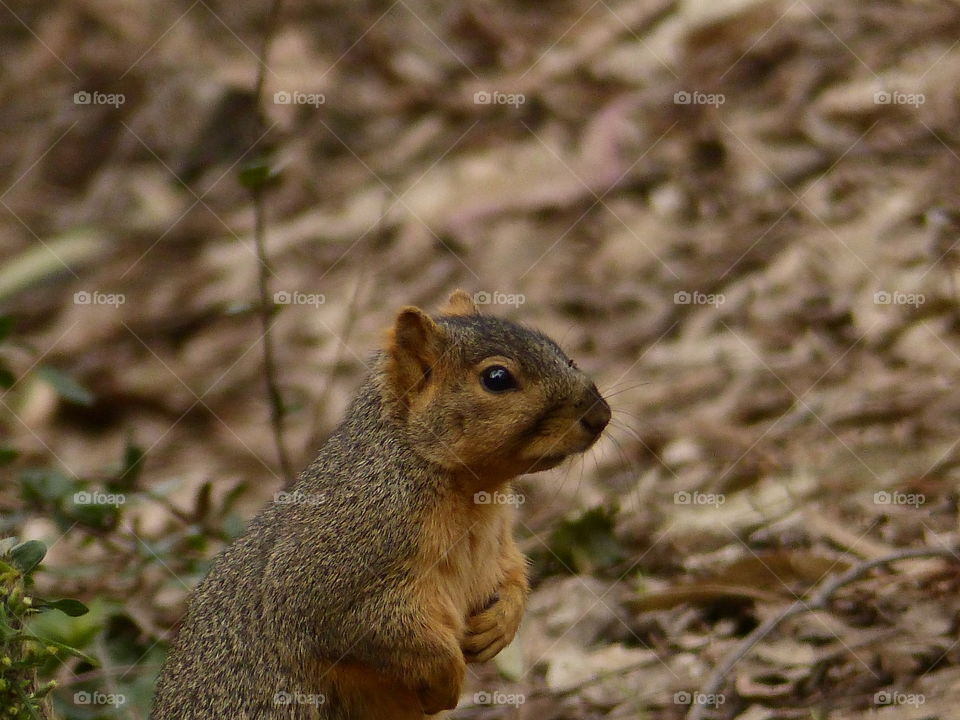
[265, 308]
[818, 601]
[265, 311]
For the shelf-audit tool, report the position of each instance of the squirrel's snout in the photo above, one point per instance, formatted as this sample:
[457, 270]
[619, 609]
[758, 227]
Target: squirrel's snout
[596, 413]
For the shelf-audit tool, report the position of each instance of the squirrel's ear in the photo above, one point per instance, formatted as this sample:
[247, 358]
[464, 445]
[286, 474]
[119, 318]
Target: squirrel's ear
[414, 346]
[460, 303]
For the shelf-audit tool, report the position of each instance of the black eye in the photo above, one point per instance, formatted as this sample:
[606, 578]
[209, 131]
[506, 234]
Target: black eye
[497, 379]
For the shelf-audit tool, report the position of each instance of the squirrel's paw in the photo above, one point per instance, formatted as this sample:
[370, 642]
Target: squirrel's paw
[491, 630]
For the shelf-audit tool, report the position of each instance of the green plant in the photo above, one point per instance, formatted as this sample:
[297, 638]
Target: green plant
[23, 654]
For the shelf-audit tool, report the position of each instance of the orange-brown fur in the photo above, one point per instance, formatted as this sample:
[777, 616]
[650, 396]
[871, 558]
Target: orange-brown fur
[369, 602]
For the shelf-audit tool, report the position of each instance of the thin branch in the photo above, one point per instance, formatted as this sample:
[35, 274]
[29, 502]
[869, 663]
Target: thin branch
[820, 600]
[265, 311]
[265, 306]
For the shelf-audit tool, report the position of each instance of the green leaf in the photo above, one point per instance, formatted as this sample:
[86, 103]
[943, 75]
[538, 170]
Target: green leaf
[45, 485]
[258, 175]
[586, 544]
[68, 388]
[7, 454]
[7, 378]
[101, 517]
[132, 465]
[232, 496]
[196, 541]
[27, 555]
[74, 631]
[6, 325]
[73, 608]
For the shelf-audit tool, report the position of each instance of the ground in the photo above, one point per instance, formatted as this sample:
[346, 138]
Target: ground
[740, 217]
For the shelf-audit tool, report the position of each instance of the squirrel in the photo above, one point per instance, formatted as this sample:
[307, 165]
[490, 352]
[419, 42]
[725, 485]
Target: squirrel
[363, 592]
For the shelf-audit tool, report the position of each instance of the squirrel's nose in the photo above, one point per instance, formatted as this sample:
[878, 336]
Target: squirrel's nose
[596, 413]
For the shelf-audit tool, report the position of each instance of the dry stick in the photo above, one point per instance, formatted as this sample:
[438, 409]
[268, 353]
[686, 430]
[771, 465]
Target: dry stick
[265, 309]
[818, 601]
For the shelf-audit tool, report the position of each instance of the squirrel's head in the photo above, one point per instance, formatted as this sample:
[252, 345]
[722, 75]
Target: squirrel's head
[485, 397]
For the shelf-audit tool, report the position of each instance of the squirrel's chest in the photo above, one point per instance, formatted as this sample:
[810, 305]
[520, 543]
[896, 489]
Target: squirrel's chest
[461, 555]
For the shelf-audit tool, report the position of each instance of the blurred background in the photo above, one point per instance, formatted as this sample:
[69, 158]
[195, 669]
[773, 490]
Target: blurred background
[741, 217]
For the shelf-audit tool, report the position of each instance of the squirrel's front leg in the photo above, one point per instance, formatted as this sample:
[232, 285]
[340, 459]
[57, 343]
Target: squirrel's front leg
[428, 660]
[492, 628]
[410, 644]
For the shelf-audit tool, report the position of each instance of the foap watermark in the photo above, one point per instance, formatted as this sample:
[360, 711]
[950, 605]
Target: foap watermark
[283, 297]
[895, 697]
[698, 698]
[96, 497]
[95, 697]
[495, 97]
[698, 498]
[86, 97]
[298, 498]
[296, 97]
[684, 97]
[282, 697]
[894, 97]
[885, 297]
[498, 298]
[498, 498]
[883, 497]
[686, 297]
[497, 697]
[84, 297]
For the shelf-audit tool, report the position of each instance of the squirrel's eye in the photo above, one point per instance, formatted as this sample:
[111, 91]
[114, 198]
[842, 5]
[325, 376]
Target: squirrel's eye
[497, 379]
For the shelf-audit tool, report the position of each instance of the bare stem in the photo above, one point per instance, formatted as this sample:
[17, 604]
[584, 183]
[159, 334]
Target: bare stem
[265, 306]
[265, 311]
